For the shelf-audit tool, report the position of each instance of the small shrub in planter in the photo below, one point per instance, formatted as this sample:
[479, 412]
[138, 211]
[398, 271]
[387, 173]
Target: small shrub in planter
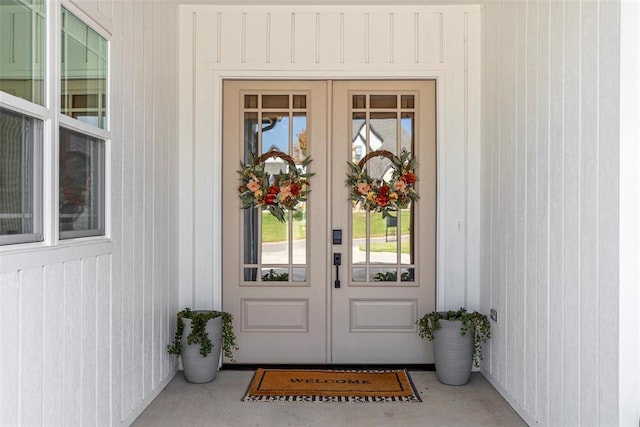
[208, 333]
[457, 342]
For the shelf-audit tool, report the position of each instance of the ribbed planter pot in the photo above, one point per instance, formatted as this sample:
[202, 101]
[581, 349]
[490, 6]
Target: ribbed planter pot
[199, 369]
[453, 353]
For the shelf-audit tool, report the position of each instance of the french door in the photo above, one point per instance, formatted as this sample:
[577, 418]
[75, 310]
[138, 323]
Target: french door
[290, 301]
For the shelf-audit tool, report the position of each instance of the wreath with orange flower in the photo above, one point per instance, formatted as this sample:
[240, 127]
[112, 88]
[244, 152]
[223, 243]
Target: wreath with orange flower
[378, 195]
[276, 193]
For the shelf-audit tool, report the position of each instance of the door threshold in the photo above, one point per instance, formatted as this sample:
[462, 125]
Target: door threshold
[341, 366]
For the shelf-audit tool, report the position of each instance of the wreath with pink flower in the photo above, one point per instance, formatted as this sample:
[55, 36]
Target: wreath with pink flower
[378, 195]
[276, 193]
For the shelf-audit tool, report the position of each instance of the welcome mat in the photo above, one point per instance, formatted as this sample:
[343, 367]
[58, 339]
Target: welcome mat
[318, 385]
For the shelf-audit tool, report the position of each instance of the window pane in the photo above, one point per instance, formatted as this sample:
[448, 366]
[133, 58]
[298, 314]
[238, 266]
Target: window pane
[81, 185]
[84, 72]
[20, 178]
[22, 49]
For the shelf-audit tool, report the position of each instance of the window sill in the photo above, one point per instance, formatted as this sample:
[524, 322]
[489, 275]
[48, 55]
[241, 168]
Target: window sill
[28, 256]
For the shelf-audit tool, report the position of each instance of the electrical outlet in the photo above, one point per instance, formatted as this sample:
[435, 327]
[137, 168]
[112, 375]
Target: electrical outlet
[493, 314]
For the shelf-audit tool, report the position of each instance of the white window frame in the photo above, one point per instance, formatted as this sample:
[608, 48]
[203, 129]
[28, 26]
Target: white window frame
[53, 120]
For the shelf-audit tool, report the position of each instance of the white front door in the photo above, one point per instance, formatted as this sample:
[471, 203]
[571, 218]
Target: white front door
[279, 280]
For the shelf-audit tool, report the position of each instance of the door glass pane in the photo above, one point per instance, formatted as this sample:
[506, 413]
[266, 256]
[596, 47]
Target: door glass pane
[382, 243]
[278, 248]
[84, 64]
[275, 274]
[275, 101]
[383, 101]
[22, 49]
[275, 240]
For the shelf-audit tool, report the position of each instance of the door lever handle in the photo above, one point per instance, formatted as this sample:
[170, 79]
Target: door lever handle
[337, 261]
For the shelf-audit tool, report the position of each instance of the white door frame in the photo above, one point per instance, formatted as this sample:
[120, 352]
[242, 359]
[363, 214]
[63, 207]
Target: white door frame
[444, 44]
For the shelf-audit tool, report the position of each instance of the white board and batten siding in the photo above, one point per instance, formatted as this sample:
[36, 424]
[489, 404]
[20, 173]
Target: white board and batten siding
[550, 211]
[84, 326]
[330, 42]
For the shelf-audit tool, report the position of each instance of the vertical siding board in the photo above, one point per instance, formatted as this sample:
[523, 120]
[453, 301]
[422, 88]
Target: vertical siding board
[588, 211]
[454, 184]
[542, 219]
[608, 213]
[430, 43]
[88, 341]
[207, 26]
[329, 39]
[556, 208]
[188, 42]
[151, 85]
[572, 216]
[280, 39]
[305, 41]
[404, 38]
[203, 179]
[31, 340]
[490, 121]
[73, 399]
[10, 354]
[131, 48]
[169, 192]
[53, 348]
[530, 310]
[518, 327]
[508, 181]
[255, 44]
[354, 41]
[103, 337]
[231, 35]
[119, 94]
[500, 214]
[159, 276]
[136, 352]
[380, 38]
[473, 154]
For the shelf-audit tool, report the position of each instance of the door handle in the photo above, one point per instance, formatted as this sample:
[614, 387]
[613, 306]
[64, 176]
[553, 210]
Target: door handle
[337, 261]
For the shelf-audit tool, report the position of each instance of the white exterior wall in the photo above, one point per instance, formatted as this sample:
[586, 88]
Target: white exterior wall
[84, 327]
[329, 42]
[550, 213]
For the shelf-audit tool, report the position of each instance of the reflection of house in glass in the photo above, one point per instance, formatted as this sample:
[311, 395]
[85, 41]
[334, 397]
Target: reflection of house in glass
[382, 136]
[275, 165]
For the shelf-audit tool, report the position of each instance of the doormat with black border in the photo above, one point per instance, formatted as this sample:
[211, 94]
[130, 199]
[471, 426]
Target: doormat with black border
[326, 385]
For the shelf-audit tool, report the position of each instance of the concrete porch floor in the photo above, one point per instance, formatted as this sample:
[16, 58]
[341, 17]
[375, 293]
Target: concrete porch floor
[219, 404]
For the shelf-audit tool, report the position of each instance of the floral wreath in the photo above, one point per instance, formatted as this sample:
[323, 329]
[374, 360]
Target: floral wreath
[275, 193]
[378, 195]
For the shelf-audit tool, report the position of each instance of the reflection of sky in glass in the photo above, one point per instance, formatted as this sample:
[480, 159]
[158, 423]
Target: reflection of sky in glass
[279, 136]
[406, 125]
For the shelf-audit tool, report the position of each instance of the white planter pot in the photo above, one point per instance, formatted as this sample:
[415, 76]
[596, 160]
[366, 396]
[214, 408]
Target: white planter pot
[453, 353]
[198, 369]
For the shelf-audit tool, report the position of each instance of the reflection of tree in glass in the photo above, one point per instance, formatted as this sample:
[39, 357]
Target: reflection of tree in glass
[391, 276]
[302, 141]
[272, 276]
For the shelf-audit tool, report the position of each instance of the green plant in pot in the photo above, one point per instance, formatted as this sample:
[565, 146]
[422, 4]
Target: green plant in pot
[457, 338]
[201, 335]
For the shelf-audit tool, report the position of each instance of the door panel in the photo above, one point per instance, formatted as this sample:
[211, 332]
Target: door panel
[386, 282]
[278, 278]
[277, 296]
